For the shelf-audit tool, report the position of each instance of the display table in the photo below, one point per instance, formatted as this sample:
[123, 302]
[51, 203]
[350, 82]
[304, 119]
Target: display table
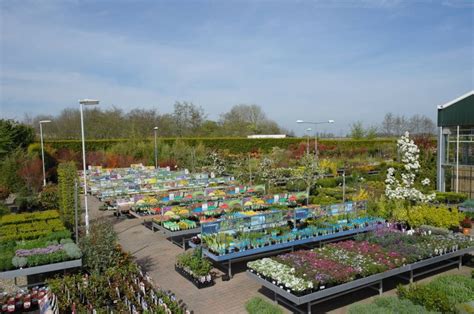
[414, 270]
[183, 235]
[279, 248]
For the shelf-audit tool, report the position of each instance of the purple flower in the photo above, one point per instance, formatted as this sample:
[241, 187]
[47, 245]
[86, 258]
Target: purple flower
[44, 250]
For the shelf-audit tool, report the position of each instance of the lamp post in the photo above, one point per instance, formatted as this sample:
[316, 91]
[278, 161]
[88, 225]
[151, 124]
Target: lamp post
[315, 134]
[155, 130]
[85, 102]
[307, 143]
[42, 148]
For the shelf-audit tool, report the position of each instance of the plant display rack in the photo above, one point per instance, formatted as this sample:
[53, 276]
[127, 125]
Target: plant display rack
[278, 248]
[180, 238]
[40, 269]
[414, 270]
[138, 179]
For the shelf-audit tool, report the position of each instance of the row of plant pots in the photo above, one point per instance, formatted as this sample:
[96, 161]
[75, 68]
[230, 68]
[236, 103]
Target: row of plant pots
[199, 282]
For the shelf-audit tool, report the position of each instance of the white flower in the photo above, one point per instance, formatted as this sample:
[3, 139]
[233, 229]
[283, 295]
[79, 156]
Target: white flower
[404, 189]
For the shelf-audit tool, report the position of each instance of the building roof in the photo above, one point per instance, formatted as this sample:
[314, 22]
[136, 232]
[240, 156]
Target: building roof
[459, 111]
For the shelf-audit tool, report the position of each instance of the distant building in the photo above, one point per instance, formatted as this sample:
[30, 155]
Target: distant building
[267, 136]
[455, 165]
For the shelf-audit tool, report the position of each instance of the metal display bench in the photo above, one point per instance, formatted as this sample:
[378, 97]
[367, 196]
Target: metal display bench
[28, 271]
[374, 281]
[183, 235]
[228, 259]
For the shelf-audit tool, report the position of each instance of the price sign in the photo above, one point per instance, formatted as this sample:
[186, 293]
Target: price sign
[209, 228]
[301, 213]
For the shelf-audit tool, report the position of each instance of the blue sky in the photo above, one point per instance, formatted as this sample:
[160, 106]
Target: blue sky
[342, 60]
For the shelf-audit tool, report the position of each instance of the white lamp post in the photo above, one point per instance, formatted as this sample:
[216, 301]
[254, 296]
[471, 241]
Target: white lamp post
[42, 148]
[315, 134]
[155, 130]
[85, 102]
[307, 144]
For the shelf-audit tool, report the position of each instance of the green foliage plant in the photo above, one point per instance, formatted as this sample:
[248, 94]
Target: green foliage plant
[389, 305]
[257, 305]
[442, 294]
[67, 174]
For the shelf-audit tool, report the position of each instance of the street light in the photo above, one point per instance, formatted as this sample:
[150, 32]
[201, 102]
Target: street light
[42, 148]
[307, 144]
[315, 134]
[85, 102]
[155, 130]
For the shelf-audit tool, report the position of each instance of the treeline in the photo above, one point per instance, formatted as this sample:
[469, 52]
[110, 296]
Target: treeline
[186, 120]
[393, 126]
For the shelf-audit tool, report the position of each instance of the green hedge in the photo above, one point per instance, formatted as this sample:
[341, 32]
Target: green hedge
[238, 144]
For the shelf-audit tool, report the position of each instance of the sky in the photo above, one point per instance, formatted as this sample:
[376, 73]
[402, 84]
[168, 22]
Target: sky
[315, 60]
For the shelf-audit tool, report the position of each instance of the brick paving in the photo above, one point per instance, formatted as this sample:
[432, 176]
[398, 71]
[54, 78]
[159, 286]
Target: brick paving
[157, 255]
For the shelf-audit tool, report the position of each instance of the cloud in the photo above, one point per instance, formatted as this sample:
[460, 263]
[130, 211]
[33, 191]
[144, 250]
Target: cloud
[328, 67]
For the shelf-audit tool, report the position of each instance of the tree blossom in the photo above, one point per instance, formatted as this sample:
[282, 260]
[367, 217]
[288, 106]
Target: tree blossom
[403, 188]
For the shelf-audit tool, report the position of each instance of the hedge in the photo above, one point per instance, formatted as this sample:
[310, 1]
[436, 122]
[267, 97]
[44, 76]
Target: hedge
[237, 144]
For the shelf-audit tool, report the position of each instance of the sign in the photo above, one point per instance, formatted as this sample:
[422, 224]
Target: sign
[208, 228]
[204, 206]
[301, 213]
[171, 196]
[348, 207]
[257, 220]
[237, 190]
[334, 209]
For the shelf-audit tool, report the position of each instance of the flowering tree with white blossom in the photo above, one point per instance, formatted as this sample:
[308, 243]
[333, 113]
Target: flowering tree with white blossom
[403, 186]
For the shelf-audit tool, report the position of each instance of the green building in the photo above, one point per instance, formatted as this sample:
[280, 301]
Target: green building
[455, 165]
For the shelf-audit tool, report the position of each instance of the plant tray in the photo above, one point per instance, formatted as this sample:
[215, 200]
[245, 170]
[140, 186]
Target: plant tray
[196, 282]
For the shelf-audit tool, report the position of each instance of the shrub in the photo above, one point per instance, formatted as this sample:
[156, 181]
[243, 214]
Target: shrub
[99, 247]
[67, 174]
[426, 214]
[4, 210]
[389, 305]
[257, 305]
[72, 250]
[19, 262]
[450, 197]
[4, 192]
[48, 197]
[442, 294]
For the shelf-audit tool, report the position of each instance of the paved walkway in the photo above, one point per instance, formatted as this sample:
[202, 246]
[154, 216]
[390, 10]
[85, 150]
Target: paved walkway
[157, 257]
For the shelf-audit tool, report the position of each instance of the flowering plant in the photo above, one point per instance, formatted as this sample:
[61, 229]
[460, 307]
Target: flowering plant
[404, 189]
[344, 261]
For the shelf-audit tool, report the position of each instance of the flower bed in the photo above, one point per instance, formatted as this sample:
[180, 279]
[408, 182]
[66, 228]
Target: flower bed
[195, 268]
[304, 272]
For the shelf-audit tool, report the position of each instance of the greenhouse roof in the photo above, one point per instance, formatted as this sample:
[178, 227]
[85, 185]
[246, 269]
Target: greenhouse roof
[459, 111]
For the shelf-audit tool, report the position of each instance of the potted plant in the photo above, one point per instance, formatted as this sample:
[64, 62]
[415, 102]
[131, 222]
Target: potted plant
[466, 225]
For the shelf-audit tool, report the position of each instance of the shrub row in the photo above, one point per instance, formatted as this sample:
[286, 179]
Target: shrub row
[430, 215]
[236, 144]
[28, 217]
